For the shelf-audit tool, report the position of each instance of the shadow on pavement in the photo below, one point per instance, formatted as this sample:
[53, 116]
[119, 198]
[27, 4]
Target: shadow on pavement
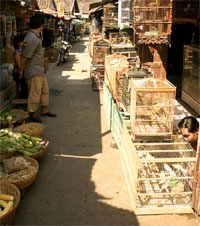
[65, 195]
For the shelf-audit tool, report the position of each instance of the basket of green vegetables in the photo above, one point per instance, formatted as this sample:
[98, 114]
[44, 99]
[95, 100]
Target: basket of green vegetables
[11, 143]
[13, 116]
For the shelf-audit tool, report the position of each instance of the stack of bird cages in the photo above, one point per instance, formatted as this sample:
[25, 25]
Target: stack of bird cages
[152, 109]
[113, 64]
[152, 21]
[159, 175]
[120, 37]
[133, 73]
[101, 47]
[110, 17]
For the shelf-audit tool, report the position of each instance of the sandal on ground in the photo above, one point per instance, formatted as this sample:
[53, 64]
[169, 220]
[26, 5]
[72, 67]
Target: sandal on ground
[49, 114]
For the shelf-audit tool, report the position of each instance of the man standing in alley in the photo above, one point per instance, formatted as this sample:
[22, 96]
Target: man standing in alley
[32, 64]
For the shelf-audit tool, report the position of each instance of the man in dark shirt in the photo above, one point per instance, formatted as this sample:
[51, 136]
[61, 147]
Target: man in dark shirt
[32, 63]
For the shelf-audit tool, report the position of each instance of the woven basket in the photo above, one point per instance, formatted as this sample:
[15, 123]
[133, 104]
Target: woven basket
[24, 178]
[20, 117]
[9, 189]
[31, 129]
[40, 154]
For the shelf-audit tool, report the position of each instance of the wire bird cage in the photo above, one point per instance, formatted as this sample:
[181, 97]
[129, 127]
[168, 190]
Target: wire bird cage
[125, 13]
[159, 174]
[152, 108]
[133, 73]
[165, 174]
[110, 16]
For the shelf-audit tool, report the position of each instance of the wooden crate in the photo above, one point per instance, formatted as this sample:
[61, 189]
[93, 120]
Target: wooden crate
[110, 16]
[152, 108]
[158, 174]
[152, 21]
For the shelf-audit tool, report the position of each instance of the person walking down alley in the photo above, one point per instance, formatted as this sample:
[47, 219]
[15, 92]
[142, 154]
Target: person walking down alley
[32, 66]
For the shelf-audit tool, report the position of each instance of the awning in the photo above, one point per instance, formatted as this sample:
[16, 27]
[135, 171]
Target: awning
[96, 9]
[95, 5]
[49, 11]
[47, 7]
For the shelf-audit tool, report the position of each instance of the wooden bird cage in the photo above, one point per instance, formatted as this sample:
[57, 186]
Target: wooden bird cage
[110, 16]
[152, 21]
[101, 48]
[97, 77]
[133, 73]
[159, 174]
[113, 64]
[152, 108]
[92, 39]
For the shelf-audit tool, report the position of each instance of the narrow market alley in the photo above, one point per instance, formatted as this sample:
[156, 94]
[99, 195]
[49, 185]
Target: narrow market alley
[81, 180]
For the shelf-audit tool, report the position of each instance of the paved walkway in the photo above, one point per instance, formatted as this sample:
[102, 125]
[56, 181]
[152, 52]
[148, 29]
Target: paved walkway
[81, 181]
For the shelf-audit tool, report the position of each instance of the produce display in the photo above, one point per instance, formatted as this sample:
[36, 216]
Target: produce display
[7, 115]
[13, 116]
[31, 128]
[11, 142]
[6, 204]
[19, 170]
